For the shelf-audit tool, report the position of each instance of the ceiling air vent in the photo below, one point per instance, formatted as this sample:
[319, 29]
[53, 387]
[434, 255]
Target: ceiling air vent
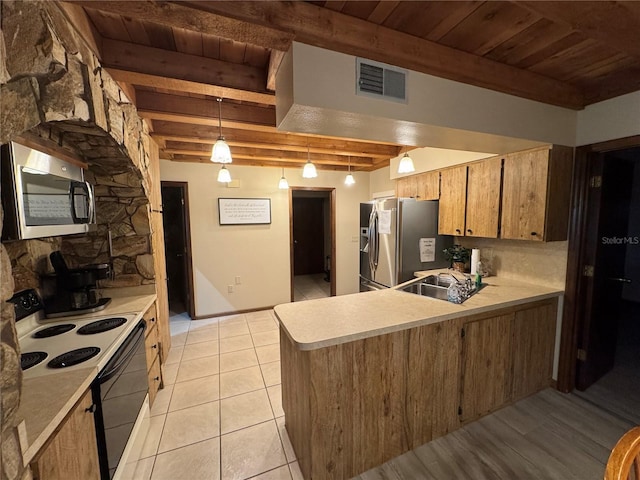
[380, 80]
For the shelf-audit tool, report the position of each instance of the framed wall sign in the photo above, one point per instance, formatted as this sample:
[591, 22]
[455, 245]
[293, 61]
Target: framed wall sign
[244, 211]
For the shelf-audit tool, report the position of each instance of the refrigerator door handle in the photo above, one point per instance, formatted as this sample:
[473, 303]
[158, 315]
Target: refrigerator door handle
[373, 242]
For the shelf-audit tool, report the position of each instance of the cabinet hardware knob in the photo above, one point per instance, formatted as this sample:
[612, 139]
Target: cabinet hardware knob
[469, 230]
[457, 230]
[156, 379]
[153, 319]
[91, 409]
[534, 234]
[155, 345]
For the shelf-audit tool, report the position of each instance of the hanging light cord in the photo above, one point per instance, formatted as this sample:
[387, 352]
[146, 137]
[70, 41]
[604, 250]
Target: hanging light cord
[220, 115]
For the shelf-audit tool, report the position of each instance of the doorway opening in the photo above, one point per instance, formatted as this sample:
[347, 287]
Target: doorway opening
[312, 242]
[603, 287]
[177, 244]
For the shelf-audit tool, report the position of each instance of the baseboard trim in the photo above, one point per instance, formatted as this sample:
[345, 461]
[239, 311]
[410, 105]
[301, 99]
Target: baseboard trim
[234, 312]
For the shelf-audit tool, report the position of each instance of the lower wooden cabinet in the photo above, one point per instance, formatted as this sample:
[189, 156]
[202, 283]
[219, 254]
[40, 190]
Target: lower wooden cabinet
[72, 451]
[505, 358]
[152, 348]
[486, 361]
[533, 357]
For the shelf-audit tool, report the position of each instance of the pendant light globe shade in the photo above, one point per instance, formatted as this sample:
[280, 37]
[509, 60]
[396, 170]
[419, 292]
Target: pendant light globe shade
[223, 175]
[349, 180]
[309, 170]
[221, 153]
[283, 184]
[406, 164]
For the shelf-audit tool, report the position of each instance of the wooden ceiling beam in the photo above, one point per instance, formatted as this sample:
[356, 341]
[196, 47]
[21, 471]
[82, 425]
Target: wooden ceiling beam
[276, 155]
[245, 162]
[202, 134]
[210, 122]
[205, 108]
[275, 60]
[158, 81]
[177, 15]
[612, 23]
[335, 31]
[163, 138]
[194, 68]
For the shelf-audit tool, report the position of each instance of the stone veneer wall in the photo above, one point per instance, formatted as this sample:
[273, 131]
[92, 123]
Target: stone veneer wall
[52, 86]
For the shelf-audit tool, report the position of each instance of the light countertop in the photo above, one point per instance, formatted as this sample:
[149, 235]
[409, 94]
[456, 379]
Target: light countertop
[47, 400]
[314, 324]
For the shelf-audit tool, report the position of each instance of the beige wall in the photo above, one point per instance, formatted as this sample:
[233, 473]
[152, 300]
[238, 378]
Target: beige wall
[259, 254]
[380, 183]
[616, 118]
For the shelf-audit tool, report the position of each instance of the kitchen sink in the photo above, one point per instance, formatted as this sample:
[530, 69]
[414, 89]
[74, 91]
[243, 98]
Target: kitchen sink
[436, 286]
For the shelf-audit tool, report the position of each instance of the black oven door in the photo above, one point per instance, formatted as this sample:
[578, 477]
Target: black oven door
[118, 393]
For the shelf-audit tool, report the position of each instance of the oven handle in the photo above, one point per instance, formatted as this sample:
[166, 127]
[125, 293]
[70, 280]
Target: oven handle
[124, 353]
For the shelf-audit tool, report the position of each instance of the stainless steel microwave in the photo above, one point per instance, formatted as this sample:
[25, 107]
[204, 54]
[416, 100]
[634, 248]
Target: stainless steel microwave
[43, 196]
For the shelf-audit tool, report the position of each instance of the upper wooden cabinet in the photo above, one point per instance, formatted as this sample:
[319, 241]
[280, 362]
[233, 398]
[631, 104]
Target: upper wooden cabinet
[424, 186]
[453, 200]
[483, 198]
[536, 192]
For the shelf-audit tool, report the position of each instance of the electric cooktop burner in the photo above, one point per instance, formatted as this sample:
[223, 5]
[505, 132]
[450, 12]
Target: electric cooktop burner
[100, 326]
[73, 357]
[53, 331]
[31, 359]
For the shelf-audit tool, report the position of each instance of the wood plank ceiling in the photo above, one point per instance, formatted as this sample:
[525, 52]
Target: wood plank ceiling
[175, 58]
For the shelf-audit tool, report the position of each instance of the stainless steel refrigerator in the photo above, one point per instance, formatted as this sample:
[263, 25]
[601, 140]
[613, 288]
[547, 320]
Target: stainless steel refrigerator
[399, 236]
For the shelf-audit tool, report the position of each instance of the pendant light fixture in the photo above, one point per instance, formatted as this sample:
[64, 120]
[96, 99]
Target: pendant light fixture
[223, 175]
[220, 153]
[283, 184]
[406, 164]
[309, 170]
[349, 180]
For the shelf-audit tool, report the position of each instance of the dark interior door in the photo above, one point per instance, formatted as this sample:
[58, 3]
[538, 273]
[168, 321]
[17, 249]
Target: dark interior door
[308, 235]
[609, 240]
[173, 216]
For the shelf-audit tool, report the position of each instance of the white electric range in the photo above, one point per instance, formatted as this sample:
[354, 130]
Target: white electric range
[114, 344]
[66, 343]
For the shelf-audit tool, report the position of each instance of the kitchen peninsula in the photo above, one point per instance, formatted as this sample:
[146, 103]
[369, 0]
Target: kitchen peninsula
[369, 376]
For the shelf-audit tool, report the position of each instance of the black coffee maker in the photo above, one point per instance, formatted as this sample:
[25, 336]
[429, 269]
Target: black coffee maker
[72, 291]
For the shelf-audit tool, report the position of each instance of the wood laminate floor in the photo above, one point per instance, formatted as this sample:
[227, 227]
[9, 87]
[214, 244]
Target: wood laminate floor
[549, 435]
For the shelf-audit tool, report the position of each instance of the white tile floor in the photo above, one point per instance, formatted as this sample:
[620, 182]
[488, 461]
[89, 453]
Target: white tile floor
[308, 287]
[220, 414]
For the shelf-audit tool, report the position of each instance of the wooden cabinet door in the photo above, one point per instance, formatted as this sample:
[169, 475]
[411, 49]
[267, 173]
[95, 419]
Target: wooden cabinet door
[73, 451]
[407, 187]
[486, 365]
[534, 334]
[483, 198]
[453, 200]
[428, 186]
[524, 195]
[154, 377]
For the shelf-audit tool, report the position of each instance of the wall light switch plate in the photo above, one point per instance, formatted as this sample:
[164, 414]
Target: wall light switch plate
[238, 280]
[229, 288]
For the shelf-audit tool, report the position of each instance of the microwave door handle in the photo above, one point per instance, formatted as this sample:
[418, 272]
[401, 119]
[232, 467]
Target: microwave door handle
[72, 201]
[88, 198]
[92, 205]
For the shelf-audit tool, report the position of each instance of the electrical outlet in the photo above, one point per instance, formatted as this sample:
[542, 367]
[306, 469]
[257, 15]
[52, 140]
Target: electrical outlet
[229, 288]
[238, 280]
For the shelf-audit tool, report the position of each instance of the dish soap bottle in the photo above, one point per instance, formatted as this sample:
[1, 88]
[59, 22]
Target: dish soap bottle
[478, 278]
